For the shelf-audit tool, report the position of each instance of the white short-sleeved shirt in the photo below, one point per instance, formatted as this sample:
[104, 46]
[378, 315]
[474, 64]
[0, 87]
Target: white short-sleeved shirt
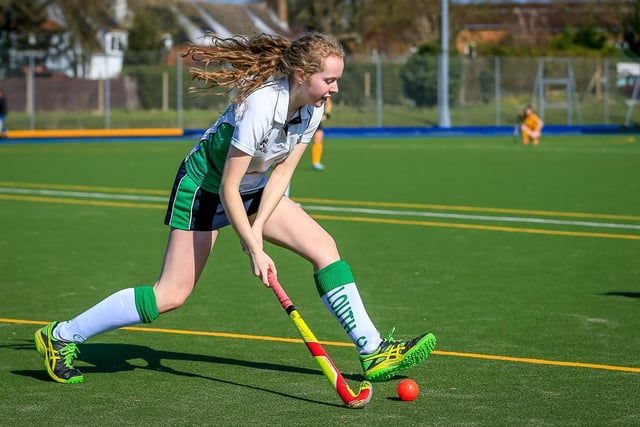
[258, 127]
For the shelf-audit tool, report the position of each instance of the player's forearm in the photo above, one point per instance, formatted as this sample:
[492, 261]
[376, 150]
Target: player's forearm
[274, 190]
[277, 185]
[234, 170]
[234, 208]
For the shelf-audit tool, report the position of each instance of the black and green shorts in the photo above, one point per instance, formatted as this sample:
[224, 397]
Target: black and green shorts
[192, 208]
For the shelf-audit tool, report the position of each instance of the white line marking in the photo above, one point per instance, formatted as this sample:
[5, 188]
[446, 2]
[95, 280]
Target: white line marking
[473, 217]
[83, 194]
[388, 212]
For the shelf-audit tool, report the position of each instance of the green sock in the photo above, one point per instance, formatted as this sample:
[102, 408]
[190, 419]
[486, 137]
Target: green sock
[337, 287]
[146, 303]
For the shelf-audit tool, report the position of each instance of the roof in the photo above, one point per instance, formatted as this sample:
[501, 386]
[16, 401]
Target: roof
[227, 19]
[189, 20]
[546, 17]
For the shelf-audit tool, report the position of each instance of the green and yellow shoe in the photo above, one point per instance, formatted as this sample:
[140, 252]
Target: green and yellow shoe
[394, 356]
[58, 356]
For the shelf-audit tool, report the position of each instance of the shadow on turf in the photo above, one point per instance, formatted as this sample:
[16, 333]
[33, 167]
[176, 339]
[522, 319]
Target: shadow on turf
[623, 294]
[108, 358]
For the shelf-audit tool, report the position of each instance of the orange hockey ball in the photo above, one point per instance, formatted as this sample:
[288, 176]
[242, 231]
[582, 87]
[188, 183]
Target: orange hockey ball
[408, 390]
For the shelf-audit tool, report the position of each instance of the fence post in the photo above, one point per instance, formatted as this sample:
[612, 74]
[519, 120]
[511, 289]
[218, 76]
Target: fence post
[498, 95]
[605, 91]
[107, 90]
[165, 91]
[179, 91]
[376, 57]
[367, 85]
[31, 91]
[101, 97]
[444, 115]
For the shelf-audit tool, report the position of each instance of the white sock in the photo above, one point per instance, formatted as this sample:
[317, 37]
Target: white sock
[345, 304]
[113, 312]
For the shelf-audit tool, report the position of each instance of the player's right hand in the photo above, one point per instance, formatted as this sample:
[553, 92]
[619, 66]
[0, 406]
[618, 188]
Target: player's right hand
[261, 264]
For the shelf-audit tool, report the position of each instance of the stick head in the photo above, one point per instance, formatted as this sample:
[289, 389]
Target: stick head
[362, 398]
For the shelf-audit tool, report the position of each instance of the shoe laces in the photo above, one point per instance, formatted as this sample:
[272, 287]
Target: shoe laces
[398, 345]
[69, 352]
[389, 337]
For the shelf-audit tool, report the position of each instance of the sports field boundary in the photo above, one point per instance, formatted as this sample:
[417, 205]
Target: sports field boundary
[62, 135]
[534, 361]
[92, 133]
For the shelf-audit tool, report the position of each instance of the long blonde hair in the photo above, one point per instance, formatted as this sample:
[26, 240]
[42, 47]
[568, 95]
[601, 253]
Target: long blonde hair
[246, 63]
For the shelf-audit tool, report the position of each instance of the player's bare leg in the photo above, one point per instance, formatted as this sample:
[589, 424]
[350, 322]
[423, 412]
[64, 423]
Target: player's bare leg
[185, 257]
[291, 227]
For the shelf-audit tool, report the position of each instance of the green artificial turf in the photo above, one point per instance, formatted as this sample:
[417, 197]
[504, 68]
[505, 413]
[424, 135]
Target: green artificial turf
[524, 261]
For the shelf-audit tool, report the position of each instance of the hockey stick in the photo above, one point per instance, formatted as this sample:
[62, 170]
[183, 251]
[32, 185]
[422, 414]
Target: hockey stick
[350, 399]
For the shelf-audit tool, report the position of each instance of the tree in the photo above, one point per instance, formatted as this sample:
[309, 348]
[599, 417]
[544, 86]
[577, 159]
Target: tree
[392, 27]
[581, 41]
[20, 30]
[631, 28]
[420, 77]
[85, 21]
[343, 19]
[53, 29]
[363, 25]
[145, 37]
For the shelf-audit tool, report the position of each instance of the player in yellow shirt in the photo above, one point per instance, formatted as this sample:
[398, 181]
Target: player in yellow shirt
[531, 126]
[318, 138]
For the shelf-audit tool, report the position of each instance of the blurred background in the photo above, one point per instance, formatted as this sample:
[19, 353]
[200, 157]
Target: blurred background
[73, 64]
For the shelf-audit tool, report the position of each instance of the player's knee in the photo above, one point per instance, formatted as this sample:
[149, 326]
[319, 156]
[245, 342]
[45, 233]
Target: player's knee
[328, 243]
[175, 302]
[170, 296]
[325, 252]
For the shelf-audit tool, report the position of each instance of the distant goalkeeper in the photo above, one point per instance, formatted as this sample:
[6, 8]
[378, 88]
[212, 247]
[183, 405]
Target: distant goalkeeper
[531, 128]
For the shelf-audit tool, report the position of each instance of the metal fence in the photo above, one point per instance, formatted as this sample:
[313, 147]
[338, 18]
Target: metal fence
[152, 90]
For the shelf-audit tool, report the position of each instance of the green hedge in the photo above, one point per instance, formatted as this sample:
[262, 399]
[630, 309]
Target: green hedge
[352, 84]
[149, 82]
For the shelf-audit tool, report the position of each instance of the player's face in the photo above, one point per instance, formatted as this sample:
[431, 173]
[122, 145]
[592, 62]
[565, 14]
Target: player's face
[323, 84]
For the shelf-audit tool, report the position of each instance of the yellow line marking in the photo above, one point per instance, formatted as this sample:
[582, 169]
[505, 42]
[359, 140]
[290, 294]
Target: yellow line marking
[82, 202]
[342, 218]
[83, 188]
[83, 133]
[344, 344]
[478, 227]
[539, 361]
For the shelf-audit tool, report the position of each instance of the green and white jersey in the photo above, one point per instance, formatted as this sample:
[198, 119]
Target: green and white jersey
[258, 127]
